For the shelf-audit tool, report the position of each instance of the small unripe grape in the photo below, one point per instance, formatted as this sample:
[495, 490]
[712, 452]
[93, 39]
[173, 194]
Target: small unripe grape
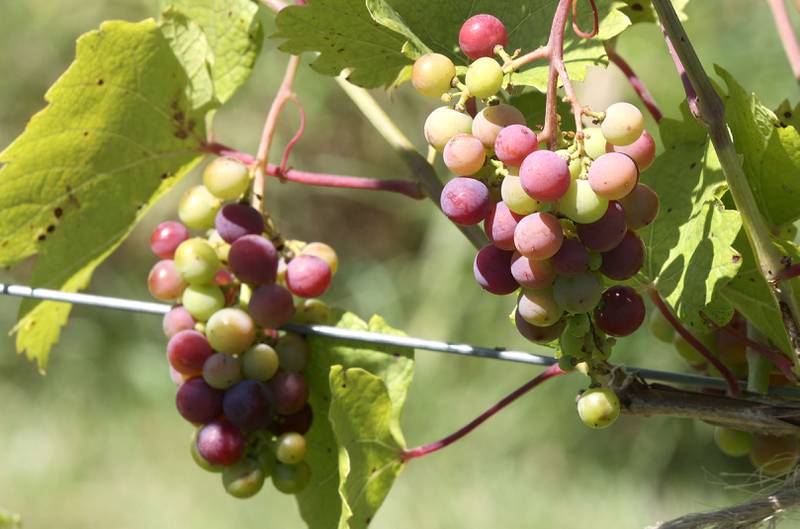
[243, 479]
[291, 479]
[196, 261]
[203, 300]
[514, 143]
[222, 371]
[293, 352]
[641, 207]
[324, 252]
[581, 204]
[444, 123]
[226, 178]
[538, 236]
[532, 275]
[613, 175]
[773, 455]
[260, 362]
[484, 77]
[164, 281]
[465, 200]
[733, 443]
[491, 120]
[623, 124]
[516, 198]
[537, 334]
[291, 448]
[464, 154]
[598, 407]
[198, 208]
[578, 294]
[230, 331]
[166, 238]
[539, 308]
[432, 74]
[643, 150]
[312, 311]
[545, 176]
[594, 143]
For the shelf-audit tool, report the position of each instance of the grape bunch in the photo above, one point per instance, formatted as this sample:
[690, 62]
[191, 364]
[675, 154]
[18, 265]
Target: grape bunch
[562, 224]
[240, 380]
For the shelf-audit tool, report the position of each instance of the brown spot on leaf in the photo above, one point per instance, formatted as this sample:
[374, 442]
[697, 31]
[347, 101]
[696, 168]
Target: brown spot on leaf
[100, 82]
[41, 237]
[51, 228]
[181, 134]
[58, 212]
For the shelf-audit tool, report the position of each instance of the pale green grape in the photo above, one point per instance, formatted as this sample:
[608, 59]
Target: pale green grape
[202, 301]
[313, 311]
[594, 143]
[444, 123]
[516, 198]
[291, 479]
[484, 77]
[260, 362]
[432, 74]
[661, 328]
[230, 330]
[196, 261]
[623, 124]
[198, 208]
[291, 448]
[581, 204]
[243, 479]
[578, 294]
[538, 308]
[734, 443]
[598, 407]
[226, 178]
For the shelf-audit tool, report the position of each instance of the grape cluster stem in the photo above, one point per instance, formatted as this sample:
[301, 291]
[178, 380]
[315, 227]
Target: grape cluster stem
[636, 83]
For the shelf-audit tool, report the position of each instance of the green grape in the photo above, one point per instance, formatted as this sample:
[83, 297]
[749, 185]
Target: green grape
[293, 352]
[260, 362]
[312, 311]
[243, 479]
[571, 345]
[578, 294]
[291, 448]
[516, 198]
[623, 124]
[598, 407]
[661, 328]
[221, 248]
[444, 123]
[575, 168]
[484, 77]
[230, 330]
[581, 204]
[538, 308]
[324, 252]
[432, 74]
[196, 261]
[291, 479]
[595, 261]
[774, 455]
[202, 301]
[226, 178]
[200, 460]
[578, 325]
[734, 443]
[222, 370]
[198, 208]
[594, 143]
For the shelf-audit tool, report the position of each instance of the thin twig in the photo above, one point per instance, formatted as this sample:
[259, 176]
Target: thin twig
[595, 28]
[691, 95]
[287, 151]
[555, 45]
[634, 80]
[787, 34]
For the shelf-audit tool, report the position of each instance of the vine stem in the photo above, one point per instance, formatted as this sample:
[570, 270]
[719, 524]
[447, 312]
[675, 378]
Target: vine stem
[555, 56]
[787, 35]
[712, 114]
[636, 83]
[420, 451]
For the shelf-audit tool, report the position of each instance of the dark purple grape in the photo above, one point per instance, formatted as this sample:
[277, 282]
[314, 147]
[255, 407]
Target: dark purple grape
[620, 312]
[197, 402]
[492, 269]
[500, 224]
[220, 443]
[254, 260]
[308, 276]
[271, 306]
[625, 260]
[571, 259]
[167, 237]
[465, 200]
[607, 232]
[237, 220]
[187, 351]
[290, 391]
[538, 334]
[249, 405]
[176, 320]
[299, 422]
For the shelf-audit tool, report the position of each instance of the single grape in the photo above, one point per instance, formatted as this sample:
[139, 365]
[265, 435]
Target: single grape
[164, 282]
[613, 175]
[535, 333]
[290, 391]
[594, 143]
[620, 312]
[641, 207]
[500, 224]
[773, 455]
[249, 405]
[196, 261]
[187, 351]
[607, 232]
[625, 259]
[492, 270]
[271, 306]
[313, 311]
[623, 124]
[299, 422]
[465, 201]
[491, 120]
[324, 252]
[517, 200]
[578, 294]
[237, 220]
[480, 34]
[200, 460]
[514, 143]
[254, 260]
[166, 238]
[197, 208]
[484, 77]
[291, 479]
[243, 479]
[538, 236]
[432, 74]
[203, 300]
[733, 443]
[220, 443]
[571, 259]
[291, 448]
[538, 307]
[598, 407]
[230, 330]
[226, 178]
[260, 362]
[661, 328]
[197, 402]
[464, 154]
[293, 352]
[545, 176]
[222, 370]
[444, 123]
[532, 275]
[308, 276]
[581, 204]
[642, 151]
[176, 320]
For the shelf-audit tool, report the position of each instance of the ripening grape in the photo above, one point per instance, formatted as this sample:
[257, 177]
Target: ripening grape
[623, 124]
[624, 260]
[578, 294]
[774, 455]
[491, 120]
[249, 405]
[492, 270]
[465, 201]
[166, 238]
[538, 236]
[537, 334]
[598, 407]
[290, 391]
[220, 443]
[291, 479]
[642, 151]
[187, 351]
[291, 448]
[222, 370]
[484, 77]
[613, 175]
[517, 200]
[514, 143]
[237, 220]
[605, 233]
[308, 276]
[480, 34]
[176, 320]
[545, 176]
[196, 261]
[293, 352]
[243, 479]
[661, 328]
[594, 143]
[464, 154]
[260, 362]
[733, 443]
[299, 422]
[203, 300]
[197, 208]
[271, 306]
[581, 204]
[532, 275]
[226, 178]
[164, 282]
[200, 460]
[444, 123]
[324, 252]
[539, 308]
[432, 74]
[254, 260]
[230, 330]
[641, 207]
[197, 402]
[620, 312]
[312, 311]
[571, 259]
[500, 224]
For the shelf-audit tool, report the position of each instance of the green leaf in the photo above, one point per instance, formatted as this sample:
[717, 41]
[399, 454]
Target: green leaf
[362, 415]
[787, 115]
[118, 132]
[321, 504]
[643, 11]
[191, 48]
[532, 106]
[233, 31]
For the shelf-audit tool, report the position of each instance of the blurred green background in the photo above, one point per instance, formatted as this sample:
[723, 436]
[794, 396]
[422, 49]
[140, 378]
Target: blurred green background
[97, 443]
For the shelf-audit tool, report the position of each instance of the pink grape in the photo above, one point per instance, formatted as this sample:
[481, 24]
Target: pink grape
[290, 391]
[571, 259]
[237, 220]
[514, 143]
[534, 275]
[545, 176]
[176, 320]
[465, 201]
[254, 260]
[620, 312]
[249, 405]
[271, 306]
[605, 233]
[197, 402]
[187, 351]
[538, 236]
[308, 276]
[641, 207]
[613, 175]
[220, 443]
[538, 334]
[164, 281]
[500, 224]
[167, 237]
[491, 120]
[642, 151]
[464, 154]
[492, 269]
[480, 34]
[625, 260]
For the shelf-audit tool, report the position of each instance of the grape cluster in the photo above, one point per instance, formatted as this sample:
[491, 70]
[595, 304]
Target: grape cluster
[240, 380]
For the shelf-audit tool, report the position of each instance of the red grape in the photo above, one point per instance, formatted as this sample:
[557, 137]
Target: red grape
[464, 154]
[164, 282]
[197, 402]
[298, 422]
[625, 260]
[514, 143]
[167, 237]
[620, 312]
[254, 260]
[545, 176]
[465, 201]
[641, 207]
[538, 236]
[643, 150]
[290, 391]
[187, 351]
[500, 224]
[534, 275]
[492, 269]
[237, 220]
[613, 175]
[176, 320]
[538, 334]
[571, 259]
[480, 34]
[605, 233]
[308, 276]
[220, 443]
[271, 306]
[249, 405]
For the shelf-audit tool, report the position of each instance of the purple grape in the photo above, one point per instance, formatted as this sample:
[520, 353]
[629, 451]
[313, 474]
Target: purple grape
[544, 175]
[197, 402]
[514, 143]
[492, 269]
[465, 200]
[290, 391]
[254, 260]
[620, 312]
[480, 34]
[271, 306]
[625, 260]
[538, 334]
[299, 422]
[607, 232]
[500, 224]
[237, 220]
[571, 259]
[220, 443]
[176, 320]
[167, 237]
[308, 276]
[534, 275]
[249, 405]
[187, 351]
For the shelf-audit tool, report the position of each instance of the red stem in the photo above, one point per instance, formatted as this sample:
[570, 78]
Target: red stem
[636, 83]
[578, 31]
[790, 272]
[786, 32]
[289, 146]
[733, 384]
[550, 372]
[691, 95]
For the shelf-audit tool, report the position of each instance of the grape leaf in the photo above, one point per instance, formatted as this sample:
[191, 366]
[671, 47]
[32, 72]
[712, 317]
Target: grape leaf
[119, 130]
[643, 10]
[234, 33]
[188, 40]
[321, 504]
[689, 246]
[532, 106]
[362, 415]
[787, 115]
